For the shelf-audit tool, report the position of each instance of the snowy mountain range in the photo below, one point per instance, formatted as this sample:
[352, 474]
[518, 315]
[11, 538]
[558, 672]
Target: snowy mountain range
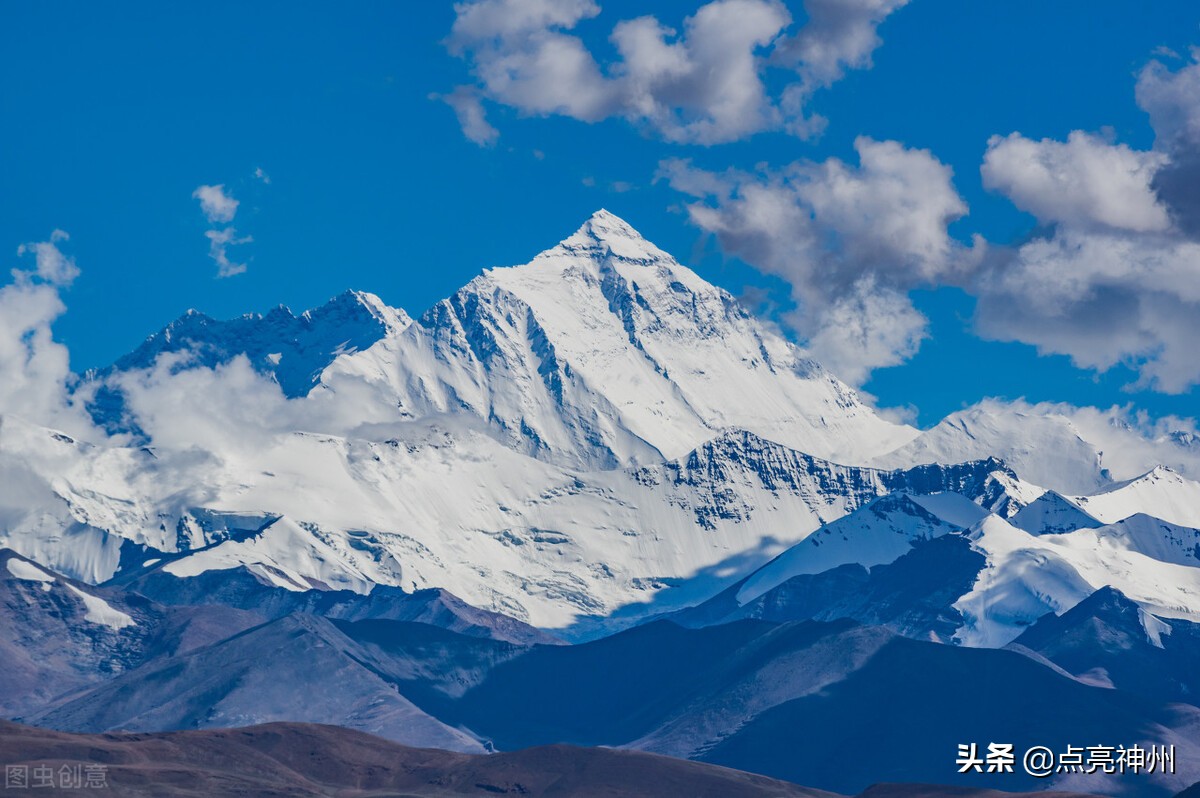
[590, 442]
[597, 433]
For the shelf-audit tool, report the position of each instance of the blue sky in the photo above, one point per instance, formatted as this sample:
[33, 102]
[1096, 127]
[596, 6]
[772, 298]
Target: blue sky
[113, 116]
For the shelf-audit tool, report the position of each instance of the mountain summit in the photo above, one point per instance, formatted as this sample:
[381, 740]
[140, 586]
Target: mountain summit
[604, 351]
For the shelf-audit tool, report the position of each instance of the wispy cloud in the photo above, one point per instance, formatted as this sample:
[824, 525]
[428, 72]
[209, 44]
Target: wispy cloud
[219, 207]
[219, 242]
[471, 116]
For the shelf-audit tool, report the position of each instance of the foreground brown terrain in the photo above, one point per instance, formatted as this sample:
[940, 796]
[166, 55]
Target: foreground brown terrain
[299, 760]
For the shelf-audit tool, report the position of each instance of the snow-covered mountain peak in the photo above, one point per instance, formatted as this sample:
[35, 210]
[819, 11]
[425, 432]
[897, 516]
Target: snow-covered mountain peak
[1160, 492]
[607, 260]
[605, 352]
[350, 306]
[607, 234]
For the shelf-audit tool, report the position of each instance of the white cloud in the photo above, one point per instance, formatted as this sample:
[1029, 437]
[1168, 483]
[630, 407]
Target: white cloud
[260, 174]
[839, 35]
[1083, 182]
[218, 206]
[1172, 99]
[850, 240]
[218, 243]
[1130, 441]
[507, 19]
[471, 116]
[232, 410]
[226, 409]
[51, 264]
[703, 84]
[1103, 300]
[866, 329]
[34, 368]
[1115, 276]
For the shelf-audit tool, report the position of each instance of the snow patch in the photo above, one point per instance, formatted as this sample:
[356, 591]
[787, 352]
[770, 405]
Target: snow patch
[101, 612]
[27, 571]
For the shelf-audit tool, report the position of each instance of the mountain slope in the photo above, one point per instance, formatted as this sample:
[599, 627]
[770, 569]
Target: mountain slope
[293, 349]
[312, 761]
[299, 668]
[1160, 492]
[441, 505]
[1109, 640]
[59, 635]
[913, 703]
[1052, 513]
[912, 596]
[788, 699]
[1028, 576]
[239, 587]
[875, 535]
[603, 352]
[579, 442]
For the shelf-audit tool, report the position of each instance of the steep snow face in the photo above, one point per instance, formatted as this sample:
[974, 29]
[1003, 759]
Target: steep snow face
[1027, 576]
[71, 506]
[604, 352]
[1161, 493]
[880, 533]
[1153, 537]
[1052, 513]
[452, 508]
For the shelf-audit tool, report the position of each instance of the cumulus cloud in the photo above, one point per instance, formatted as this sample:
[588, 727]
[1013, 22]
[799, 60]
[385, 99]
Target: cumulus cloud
[702, 84]
[232, 410]
[34, 368]
[1170, 98]
[1114, 278]
[851, 241]
[1084, 182]
[229, 408]
[261, 175]
[216, 204]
